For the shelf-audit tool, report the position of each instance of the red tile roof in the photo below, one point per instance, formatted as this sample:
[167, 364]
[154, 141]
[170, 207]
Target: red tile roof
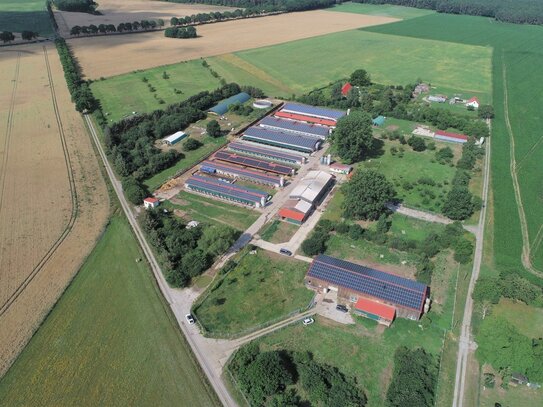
[346, 88]
[304, 118]
[384, 311]
[473, 99]
[150, 200]
[452, 135]
[291, 214]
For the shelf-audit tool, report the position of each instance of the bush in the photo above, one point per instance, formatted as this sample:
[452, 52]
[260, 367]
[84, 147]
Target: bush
[356, 231]
[134, 191]
[191, 144]
[463, 250]
[417, 143]
[214, 129]
[342, 228]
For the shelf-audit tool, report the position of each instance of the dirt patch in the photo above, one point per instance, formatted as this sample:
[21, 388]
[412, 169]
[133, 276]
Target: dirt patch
[400, 270]
[114, 55]
[392, 127]
[124, 11]
[53, 198]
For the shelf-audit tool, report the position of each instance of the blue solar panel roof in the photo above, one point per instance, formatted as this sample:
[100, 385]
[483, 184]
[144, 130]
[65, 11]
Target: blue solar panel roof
[294, 126]
[242, 147]
[231, 169]
[313, 110]
[253, 162]
[281, 138]
[210, 184]
[375, 283]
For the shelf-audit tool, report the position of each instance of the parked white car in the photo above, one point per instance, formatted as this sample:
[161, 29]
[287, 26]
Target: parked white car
[308, 321]
[190, 319]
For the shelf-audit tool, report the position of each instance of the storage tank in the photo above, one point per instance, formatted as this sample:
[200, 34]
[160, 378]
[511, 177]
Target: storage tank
[282, 181]
[262, 201]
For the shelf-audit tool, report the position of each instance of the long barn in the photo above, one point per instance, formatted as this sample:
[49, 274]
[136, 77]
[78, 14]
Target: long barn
[266, 153]
[295, 127]
[310, 114]
[306, 145]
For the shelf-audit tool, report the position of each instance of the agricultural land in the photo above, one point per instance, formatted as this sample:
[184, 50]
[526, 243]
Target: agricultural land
[53, 199]
[19, 15]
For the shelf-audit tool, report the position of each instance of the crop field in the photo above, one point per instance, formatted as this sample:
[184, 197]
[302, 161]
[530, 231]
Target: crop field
[53, 199]
[517, 54]
[328, 58]
[262, 288]
[121, 95]
[384, 10]
[19, 15]
[213, 211]
[117, 54]
[110, 340]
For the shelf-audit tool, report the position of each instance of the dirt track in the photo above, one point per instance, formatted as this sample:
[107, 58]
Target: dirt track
[117, 54]
[53, 199]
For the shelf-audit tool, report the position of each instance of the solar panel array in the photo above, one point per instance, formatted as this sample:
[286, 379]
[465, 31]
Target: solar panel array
[292, 126]
[259, 133]
[254, 163]
[378, 284]
[313, 111]
[219, 187]
[262, 151]
[243, 173]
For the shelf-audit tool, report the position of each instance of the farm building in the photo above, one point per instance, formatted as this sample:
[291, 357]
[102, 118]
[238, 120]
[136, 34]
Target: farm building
[223, 190]
[345, 89]
[378, 121]
[382, 313]
[451, 137]
[353, 282]
[295, 211]
[312, 187]
[222, 107]
[473, 102]
[294, 127]
[293, 142]
[214, 167]
[150, 203]
[437, 98]
[174, 138]
[254, 163]
[266, 153]
[311, 114]
[340, 168]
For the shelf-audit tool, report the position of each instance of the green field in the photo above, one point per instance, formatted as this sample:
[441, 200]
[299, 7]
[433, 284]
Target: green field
[110, 340]
[386, 10]
[121, 95]
[412, 228]
[278, 231]
[213, 211]
[463, 67]
[528, 320]
[262, 288]
[517, 57]
[30, 15]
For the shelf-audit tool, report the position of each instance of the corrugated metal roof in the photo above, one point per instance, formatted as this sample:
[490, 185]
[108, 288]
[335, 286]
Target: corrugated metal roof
[278, 155]
[242, 172]
[254, 163]
[174, 137]
[222, 107]
[378, 284]
[310, 186]
[375, 308]
[313, 111]
[212, 185]
[288, 126]
[259, 133]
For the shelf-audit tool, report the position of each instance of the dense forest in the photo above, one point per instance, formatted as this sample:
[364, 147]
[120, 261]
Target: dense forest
[267, 5]
[512, 11]
[85, 6]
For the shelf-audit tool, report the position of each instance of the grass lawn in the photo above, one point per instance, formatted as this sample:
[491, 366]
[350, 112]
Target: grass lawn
[278, 231]
[208, 210]
[123, 94]
[110, 340]
[514, 396]
[528, 320]
[412, 228]
[466, 68]
[19, 15]
[262, 288]
[386, 10]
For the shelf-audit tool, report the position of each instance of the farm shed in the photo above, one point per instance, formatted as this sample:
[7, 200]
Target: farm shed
[340, 168]
[254, 163]
[293, 142]
[311, 114]
[222, 107]
[295, 211]
[174, 138]
[345, 89]
[150, 203]
[266, 153]
[378, 121]
[353, 281]
[214, 167]
[295, 127]
[451, 137]
[382, 313]
[228, 192]
[312, 187]
[437, 98]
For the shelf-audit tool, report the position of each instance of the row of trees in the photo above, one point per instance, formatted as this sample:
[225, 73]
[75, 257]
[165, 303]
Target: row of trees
[7, 36]
[181, 32]
[79, 88]
[185, 253]
[518, 11]
[267, 6]
[267, 379]
[84, 6]
[216, 16]
[508, 284]
[143, 25]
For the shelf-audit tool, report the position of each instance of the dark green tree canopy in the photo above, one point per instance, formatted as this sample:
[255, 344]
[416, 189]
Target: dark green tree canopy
[353, 136]
[360, 78]
[213, 128]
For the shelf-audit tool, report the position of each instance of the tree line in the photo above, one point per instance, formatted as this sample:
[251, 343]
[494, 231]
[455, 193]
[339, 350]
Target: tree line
[185, 253]
[84, 6]
[275, 378]
[267, 6]
[8, 36]
[518, 11]
[143, 25]
[181, 32]
[79, 89]
[216, 16]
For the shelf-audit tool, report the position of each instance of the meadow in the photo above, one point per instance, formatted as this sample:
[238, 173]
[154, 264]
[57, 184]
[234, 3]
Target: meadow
[264, 287]
[111, 329]
[19, 15]
[334, 56]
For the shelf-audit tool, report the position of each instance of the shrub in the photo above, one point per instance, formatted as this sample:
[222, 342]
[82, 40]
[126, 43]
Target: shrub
[463, 250]
[191, 144]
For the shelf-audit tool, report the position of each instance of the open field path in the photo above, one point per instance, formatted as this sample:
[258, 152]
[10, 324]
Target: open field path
[526, 249]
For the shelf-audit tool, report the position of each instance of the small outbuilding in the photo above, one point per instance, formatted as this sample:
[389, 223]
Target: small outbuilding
[174, 138]
[150, 203]
[340, 168]
[345, 89]
[222, 107]
[437, 98]
[378, 121]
